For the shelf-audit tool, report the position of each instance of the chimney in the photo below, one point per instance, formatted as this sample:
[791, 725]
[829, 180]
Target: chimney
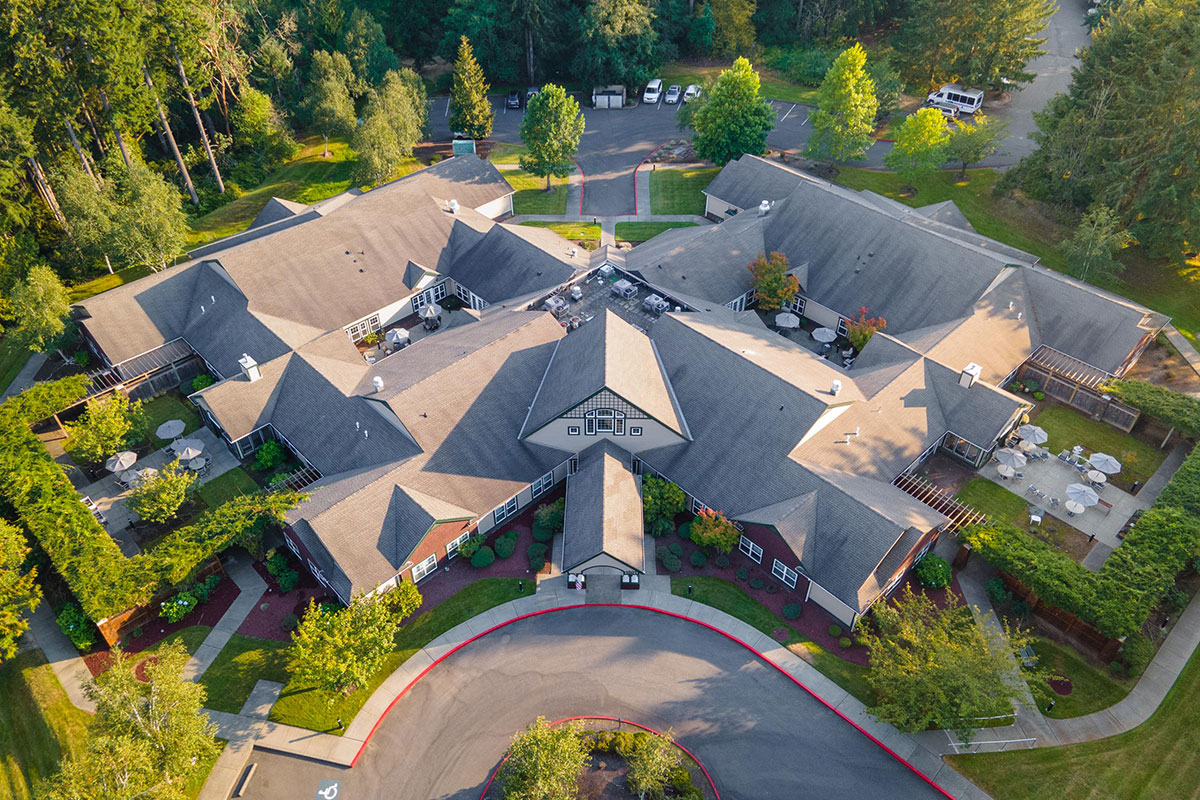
[453, 206]
[377, 382]
[970, 374]
[764, 207]
[249, 368]
[836, 388]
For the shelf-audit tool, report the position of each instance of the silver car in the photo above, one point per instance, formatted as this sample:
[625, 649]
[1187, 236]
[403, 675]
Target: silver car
[673, 93]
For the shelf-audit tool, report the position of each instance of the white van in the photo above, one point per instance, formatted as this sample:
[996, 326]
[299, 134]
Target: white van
[653, 92]
[965, 100]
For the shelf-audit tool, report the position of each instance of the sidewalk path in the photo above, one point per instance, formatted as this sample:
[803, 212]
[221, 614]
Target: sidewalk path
[1185, 347]
[24, 378]
[68, 665]
[251, 587]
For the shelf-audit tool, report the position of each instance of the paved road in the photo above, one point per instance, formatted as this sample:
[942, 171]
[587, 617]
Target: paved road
[759, 734]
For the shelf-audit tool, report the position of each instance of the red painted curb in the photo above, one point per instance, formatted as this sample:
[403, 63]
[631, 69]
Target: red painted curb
[581, 182]
[641, 164]
[690, 754]
[729, 636]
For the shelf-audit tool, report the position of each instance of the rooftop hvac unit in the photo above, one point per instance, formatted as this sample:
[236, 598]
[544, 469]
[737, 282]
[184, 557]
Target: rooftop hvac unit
[377, 382]
[624, 289]
[453, 206]
[835, 388]
[576, 292]
[607, 270]
[555, 305]
[655, 304]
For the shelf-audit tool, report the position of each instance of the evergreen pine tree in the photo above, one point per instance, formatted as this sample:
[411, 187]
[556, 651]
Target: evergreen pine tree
[470, 112]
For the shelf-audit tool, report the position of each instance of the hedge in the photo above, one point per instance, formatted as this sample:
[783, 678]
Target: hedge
[102, 579]
[1183, 490]
[1174, 408]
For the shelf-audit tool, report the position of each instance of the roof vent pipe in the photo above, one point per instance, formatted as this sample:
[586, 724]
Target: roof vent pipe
[1020, 314]
[249, 368]
[835, 388]
[1010, 305]
[377, 382]
[453, 206]
[764, 207]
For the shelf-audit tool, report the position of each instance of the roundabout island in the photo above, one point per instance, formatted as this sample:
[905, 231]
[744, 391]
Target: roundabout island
[758, 733]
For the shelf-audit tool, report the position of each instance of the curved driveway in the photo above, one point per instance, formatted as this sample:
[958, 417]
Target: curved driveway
[759, 734]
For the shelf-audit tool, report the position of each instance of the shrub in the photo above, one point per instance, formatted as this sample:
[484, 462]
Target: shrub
[77, 627]
[676, 548]
[757, 583]
[772, 588]
[685, 531]
[202, 382]
[484, 557]
[722, 561]
[289, 623]
[1137, 651]
[204, 589]
[712, 529]
[742, 573]
[279, 478]
[81, 358]
[1117, 669]
[661, 527]
[177, 607]
[997, 593]
[138, 633]
[845, 642]
[287, 580]
[269, 456]
[661, 500]
[505, 546]
[537, 556]
[1175, 600]
[276, 563]
[792, 611]
[371, 339]
[835, 630]
[471, 546]
[672, 563]
[1039, 396]
[549, 517]
[698, 558]
[933, 571]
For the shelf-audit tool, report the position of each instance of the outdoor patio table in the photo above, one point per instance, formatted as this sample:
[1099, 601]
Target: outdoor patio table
[1074, 508]
[1027, 446]
[1006, 471]
[1096, 476]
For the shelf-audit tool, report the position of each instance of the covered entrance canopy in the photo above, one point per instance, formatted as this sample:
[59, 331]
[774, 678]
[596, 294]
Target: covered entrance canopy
[603, 523]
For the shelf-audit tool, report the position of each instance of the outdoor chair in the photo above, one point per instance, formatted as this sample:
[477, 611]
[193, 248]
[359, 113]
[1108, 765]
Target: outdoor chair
[1035, 519]
[848, 353]
[1020, 475]
[1032, 488]
[1054, 501]
[1063, 456]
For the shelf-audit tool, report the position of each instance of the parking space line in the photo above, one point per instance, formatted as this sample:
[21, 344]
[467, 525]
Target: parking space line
[789, 112]
[447, 106]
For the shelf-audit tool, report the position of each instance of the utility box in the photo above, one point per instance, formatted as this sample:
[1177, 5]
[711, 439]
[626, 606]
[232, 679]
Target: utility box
[608, 97]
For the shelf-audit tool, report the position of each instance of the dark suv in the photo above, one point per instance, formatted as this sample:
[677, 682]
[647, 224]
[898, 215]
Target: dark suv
[513, 100]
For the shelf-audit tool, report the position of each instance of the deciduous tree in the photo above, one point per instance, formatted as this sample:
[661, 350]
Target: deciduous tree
[157, 499]
[329, 104]
[651, 763]
[938, 667]
[379, 153]
[919, 147]
[661, 502]
[863, 327]
[972, 142]
[109, 424]
[730, 119]
[470, 111]
[1092, 251]
[337, 652]
[544, 762]
[618, 44]
[19, 594]
[551, 130]
[843, 124]
[773, 286]
[711, 529]
[39, 308]
[733, 31]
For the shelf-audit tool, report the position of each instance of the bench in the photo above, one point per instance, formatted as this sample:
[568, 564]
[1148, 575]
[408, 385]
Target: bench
[1106, 506]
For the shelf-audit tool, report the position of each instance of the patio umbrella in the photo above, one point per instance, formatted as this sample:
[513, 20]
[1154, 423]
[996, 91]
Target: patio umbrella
[1105, 463]
[1032, 433]
[431, 311]
[170, 429]
[787, 320]
[121, 461]
[397, 336]
[824, 335]
[1084, 495]
[1027, 446]
[1010, 458]
[187, 449]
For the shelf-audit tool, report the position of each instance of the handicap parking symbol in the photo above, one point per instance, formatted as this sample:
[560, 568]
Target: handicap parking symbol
[328, 790]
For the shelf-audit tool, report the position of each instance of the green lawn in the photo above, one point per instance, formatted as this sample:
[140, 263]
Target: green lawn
[168, 406]
[1067, 428]
[644, 231]
[1168, 288]
[105, 282]
[734, 601]
[531, 197]
[241, 663]
[1155, 760]
[679, 191]
[306, 707]
[38, 725]
[587, 234]
[12, 358]
[774, 86]
[226, 486]
[1092, 687]
[305, 179]
[505, 153]
[994, 500]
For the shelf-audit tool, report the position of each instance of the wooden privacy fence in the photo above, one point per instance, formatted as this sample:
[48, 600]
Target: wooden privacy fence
[119, 626]
[1105, 647]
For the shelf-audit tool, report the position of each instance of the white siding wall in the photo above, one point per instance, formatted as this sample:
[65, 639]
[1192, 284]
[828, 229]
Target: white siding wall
[394, 311]
[840, 611]
[820, 314]
[717, 207]
[555, 435]
[497, 208]
[487, 522]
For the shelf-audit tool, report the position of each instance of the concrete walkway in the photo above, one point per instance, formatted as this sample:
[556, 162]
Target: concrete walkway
[251, 586]
[1185, 347]
[24, 378]
[72, 673]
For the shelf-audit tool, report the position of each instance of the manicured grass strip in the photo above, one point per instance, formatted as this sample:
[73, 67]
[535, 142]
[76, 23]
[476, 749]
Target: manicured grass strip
[168, 406]
[644, 231]
[12, 359]
[305, 707]
[505, 153]
[531, 197]
[241, 663]
[995, 501]
[38, 725]
[773, 85]
[226, 486]
[105, 282]
[734, 601]
[1092, 687]
[193, 787]
[679, 191]
[584, 232]
[1067, 428]
[1155, 760]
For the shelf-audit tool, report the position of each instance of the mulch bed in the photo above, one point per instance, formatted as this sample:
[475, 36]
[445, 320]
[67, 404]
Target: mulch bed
[267, 622]
[154, 632]
[1061, 688]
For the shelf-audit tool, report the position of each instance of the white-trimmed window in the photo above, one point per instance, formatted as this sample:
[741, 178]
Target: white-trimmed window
[360, 329]
[604, 420]
[543, 483]
[750, 549]
[635, 430]
[463, 293]
[424, 568]
[291, 543]
[572, 430]
[797, 304]
[698, 507]
[842, 328]
[573, 465]
[784, 573]
[453, 545]
[505, 511]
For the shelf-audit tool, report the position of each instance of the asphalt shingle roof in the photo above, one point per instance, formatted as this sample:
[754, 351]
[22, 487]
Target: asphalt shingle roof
[710, 261]
[604, 509]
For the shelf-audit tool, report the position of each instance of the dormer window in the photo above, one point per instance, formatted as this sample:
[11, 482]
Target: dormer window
[604, 420]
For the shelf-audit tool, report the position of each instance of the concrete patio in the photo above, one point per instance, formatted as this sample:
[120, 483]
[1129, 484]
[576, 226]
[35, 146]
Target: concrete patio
[1052, 476]
[109, 496]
